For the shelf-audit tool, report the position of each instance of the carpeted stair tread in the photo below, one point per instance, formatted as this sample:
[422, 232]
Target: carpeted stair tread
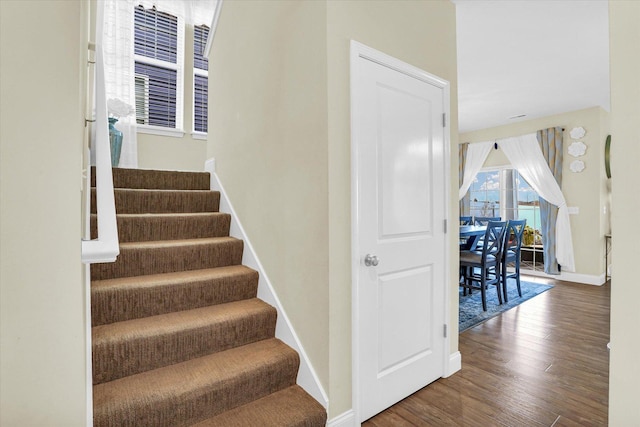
[157, 179]
[130, 347]
[192, 391]
[291, 407]
[132, 201]
[125, 298]
[168, 226]
[166, 256]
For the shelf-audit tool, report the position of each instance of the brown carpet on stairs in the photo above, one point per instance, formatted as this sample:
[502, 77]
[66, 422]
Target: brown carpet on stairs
[179, 337]
[169, 226]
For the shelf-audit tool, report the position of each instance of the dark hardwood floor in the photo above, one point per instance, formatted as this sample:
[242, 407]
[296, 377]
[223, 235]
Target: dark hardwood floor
[543, 363]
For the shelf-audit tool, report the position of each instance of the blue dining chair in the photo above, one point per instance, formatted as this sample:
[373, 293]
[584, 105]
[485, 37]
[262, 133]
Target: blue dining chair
[466, 220]
[511, 254]
[484, 220]
[483, 267]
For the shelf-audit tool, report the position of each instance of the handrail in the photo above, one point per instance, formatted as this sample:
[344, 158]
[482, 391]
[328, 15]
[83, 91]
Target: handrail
[106, 247]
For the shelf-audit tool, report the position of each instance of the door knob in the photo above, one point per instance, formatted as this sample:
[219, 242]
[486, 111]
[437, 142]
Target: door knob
[371, 260]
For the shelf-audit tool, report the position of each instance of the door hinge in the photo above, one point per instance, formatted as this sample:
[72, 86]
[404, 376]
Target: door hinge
[444, 330]
[445, 226]
[444, 120]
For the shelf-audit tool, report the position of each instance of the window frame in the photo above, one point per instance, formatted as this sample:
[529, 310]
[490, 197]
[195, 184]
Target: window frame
[179, 67]
[196, 134]
[535, 264]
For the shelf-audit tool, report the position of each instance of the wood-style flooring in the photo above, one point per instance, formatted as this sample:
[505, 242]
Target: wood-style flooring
[543, 363]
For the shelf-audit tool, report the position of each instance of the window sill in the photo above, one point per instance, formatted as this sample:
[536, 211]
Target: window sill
[157, 130]
[199, 135]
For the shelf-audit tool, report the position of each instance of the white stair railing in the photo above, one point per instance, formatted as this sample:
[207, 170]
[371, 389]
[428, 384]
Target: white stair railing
[106, 247]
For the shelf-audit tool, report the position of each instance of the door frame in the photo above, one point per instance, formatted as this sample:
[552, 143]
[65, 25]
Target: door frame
[360, 51]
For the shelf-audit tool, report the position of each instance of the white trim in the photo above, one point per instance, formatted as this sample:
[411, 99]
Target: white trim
[200, 72]
[307, 377]
[199, 135]
[359, 50]
[453, 365]
[106, 247]
[585, 279]
[157, 62]
[159, 130]
[88, 364]
[346, 419]
[213, 27]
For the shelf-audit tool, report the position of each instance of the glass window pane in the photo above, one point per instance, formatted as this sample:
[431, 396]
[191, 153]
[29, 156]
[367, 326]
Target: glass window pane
[200, 35]
[161, 86]
[155, 34]
[200, 103]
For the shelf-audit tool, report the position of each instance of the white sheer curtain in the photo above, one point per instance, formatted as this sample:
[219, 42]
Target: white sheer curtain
[476, 155]
[524, 154]
[117, 44]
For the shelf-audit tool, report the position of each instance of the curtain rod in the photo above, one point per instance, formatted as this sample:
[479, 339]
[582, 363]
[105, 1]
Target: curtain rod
[495, 143]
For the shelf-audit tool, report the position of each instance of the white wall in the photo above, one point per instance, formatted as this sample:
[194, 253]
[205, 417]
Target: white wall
[624, 374]
[42, 343]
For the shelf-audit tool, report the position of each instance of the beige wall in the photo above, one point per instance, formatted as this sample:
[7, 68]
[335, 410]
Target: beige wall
[280, 122]
[268, 134]
[173, 153]
[170, 153]
[421, 33]
[624, 375]
[586, 190]
[42, 335]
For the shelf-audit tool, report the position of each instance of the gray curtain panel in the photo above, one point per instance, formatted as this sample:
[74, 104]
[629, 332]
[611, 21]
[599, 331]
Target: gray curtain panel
[465, 202]
[550, 141]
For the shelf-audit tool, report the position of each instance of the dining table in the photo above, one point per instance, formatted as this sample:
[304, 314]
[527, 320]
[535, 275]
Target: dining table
[472, 234]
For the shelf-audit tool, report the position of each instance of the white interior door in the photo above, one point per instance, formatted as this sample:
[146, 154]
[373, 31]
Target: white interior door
[399, 182]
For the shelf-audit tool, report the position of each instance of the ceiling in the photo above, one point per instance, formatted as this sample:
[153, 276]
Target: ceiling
[531, 57]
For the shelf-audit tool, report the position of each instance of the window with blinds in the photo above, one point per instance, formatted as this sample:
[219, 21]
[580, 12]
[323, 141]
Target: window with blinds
[158, 52]
[200, 78]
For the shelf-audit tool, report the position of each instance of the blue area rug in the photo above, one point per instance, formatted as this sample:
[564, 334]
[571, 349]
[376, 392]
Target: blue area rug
[471, 312]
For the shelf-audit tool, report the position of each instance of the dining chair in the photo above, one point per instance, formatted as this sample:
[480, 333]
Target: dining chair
[466, 220]
[511, 253]
[483, 267]
[484, 220]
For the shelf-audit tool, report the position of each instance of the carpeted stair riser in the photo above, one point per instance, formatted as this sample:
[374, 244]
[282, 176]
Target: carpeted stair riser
[147, 227]
[127, 298]
[291, 407]
[178, 334]
[127, 348]
[156, 179]
[141, 258]
[185, 393]
[162, 201]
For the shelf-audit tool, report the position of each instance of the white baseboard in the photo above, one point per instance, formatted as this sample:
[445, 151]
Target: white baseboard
[346, 419]
[454, 365]
[307, 377]
[586, 279]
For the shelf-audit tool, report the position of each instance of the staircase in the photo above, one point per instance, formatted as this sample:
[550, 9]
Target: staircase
[178, 335]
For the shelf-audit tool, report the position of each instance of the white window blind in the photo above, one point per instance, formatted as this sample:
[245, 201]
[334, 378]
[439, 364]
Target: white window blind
[158, 49]
[200, 78]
